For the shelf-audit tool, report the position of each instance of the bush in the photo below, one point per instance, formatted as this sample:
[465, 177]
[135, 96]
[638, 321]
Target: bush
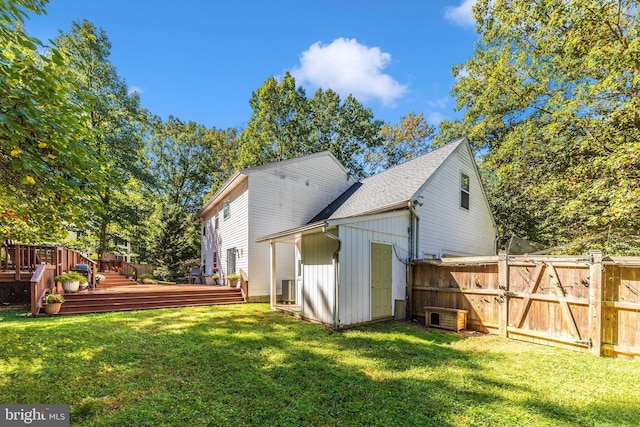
[71, 277]
[163, 273]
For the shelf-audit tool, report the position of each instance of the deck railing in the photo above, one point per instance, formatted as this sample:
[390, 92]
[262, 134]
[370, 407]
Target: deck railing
[41, 282]
[125, 268]
[39, 264]
[22, 260]
[244, 284]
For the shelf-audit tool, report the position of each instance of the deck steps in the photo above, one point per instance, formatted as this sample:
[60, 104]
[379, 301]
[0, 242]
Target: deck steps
[115, 279]
[88, 302]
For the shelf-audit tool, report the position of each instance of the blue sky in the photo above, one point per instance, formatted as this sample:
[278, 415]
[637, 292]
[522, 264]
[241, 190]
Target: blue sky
[200, 60]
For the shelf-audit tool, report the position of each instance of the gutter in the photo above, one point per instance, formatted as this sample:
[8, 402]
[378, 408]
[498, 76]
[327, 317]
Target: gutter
[336, 267]
[414, 248]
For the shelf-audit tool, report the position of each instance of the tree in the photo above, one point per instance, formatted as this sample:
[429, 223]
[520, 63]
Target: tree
[278, 128]
[356, 132]
[406, 140]
[286, 124]
[117, 123]
[186, 161]
[44, 162]
[175, 241]
[182, 159]
[551, 97]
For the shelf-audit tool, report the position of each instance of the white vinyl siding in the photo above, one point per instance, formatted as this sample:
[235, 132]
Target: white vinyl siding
[208, 246]
[355, 262]
[285, 196]
[464, 191]
[231, 233]
[318, 278]
[445, 227]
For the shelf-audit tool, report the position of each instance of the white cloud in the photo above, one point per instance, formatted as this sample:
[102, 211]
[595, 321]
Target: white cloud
[440, 103]
[134, 89]
[435, 118]
[348, 67]
[462, 14]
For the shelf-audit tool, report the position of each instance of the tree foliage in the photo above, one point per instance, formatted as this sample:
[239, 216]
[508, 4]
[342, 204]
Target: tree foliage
[286, 124]
[176, 240]
[181, 158]
[551, 98]
[44, 161]
[407, 139]
[116, 122]
[185, 160]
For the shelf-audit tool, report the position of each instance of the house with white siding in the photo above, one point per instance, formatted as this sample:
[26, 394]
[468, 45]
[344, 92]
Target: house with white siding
[350, 259]
[263, 200]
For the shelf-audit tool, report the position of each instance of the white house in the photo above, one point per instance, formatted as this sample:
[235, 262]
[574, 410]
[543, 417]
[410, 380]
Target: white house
[351, 258]
[263, 200]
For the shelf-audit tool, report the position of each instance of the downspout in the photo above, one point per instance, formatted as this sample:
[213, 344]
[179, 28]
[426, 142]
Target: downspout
[414, 214]
[336, 266]
[413, 249]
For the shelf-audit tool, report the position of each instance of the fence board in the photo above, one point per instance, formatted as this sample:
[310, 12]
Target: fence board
[576, 302]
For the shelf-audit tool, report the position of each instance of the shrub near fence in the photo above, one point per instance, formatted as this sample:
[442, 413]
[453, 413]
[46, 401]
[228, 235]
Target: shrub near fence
[582, 303]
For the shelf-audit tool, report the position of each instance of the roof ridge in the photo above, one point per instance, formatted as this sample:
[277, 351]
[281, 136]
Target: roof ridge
[452, 145]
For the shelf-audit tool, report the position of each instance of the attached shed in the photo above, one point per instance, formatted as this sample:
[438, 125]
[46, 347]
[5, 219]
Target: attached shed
[352, 257]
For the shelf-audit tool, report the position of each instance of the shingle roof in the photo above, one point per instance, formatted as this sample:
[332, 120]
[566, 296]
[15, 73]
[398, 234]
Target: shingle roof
[390, 189]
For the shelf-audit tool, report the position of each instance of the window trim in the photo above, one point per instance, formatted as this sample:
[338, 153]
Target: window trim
[226, 209]
[465, 193]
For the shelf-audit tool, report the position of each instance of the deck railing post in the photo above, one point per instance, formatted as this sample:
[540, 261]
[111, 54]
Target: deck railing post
[17, 261]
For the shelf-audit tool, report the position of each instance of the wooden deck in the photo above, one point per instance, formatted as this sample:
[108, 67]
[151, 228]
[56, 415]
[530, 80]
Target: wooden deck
[31, 269]
[117, 293]
[143, 297]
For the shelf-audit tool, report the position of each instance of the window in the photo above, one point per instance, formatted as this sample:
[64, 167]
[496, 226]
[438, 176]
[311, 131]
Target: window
[225, 210]
[231, 261]
[464, 191]
[215, 261]
[215, 222]
[204, 231]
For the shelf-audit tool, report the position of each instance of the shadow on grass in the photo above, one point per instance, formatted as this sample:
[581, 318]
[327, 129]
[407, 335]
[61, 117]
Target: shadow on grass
[247, 365]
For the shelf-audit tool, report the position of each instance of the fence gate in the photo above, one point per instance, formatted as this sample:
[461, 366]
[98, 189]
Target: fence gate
[587, 303]
[547, 301]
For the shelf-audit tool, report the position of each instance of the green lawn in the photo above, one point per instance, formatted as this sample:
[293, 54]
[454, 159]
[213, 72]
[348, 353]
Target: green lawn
[245, 365]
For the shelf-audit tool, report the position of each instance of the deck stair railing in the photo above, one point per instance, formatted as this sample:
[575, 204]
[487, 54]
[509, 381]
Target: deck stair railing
[119, 266]
[244, 284]
[42, 282]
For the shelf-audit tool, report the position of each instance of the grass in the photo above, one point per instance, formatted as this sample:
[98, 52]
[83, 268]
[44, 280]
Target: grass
[246, 365]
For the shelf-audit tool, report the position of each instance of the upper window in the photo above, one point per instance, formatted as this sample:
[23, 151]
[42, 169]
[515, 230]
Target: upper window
[204, 230]
[215, 222]
[464, 191]
[225, 210]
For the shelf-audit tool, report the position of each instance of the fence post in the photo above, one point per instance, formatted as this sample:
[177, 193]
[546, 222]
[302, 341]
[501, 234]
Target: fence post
[503, 284]
[410, 278]
[595, 302]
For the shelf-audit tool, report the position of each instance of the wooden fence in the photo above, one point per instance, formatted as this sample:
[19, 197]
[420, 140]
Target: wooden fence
[126, 268]
[583, 303]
